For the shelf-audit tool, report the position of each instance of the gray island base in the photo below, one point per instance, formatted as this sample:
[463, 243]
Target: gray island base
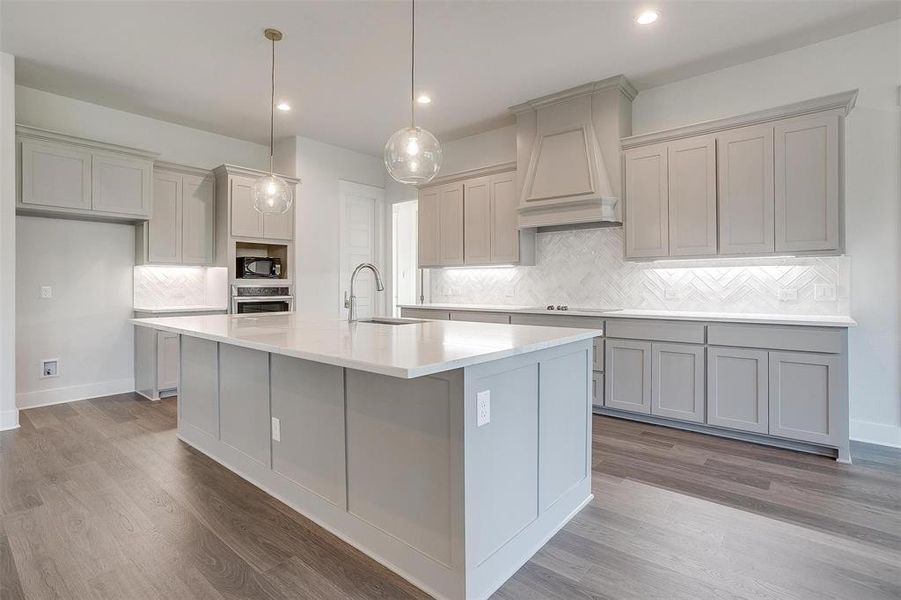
[401, 468]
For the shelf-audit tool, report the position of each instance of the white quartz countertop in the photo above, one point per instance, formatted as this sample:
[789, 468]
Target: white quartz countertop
[670, 315]
[406, 351]
[179, 309]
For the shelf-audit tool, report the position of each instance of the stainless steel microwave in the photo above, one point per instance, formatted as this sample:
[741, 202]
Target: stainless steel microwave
[258, 267]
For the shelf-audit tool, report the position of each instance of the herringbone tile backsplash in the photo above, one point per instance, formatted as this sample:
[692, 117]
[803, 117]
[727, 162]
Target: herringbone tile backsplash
[585, 268]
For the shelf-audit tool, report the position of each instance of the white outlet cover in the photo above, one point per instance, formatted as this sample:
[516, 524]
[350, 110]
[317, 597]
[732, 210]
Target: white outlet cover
[46, 291]
[788, 294]
[49, 368]
[276, 430]
[824, 292]
[483, 408]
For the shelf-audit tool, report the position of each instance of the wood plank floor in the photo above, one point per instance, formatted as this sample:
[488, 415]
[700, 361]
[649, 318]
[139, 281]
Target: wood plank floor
[98, 499]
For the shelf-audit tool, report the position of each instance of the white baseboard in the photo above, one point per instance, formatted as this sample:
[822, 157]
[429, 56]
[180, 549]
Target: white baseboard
[75, 392]
[9, 419]
[876, 433]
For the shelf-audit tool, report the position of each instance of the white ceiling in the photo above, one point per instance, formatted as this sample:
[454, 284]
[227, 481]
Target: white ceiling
[344, 66]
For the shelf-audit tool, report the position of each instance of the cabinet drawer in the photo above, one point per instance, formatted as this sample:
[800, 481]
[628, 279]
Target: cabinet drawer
[424, 313]
[558, 321]
[804, 339]
[480, 317]
[663, 331]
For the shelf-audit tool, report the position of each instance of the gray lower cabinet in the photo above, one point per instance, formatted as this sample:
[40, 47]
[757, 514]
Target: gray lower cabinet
[628, 375]
[737, 389]
[480, 317]
[597, 391]
[198, 402]
[243, 389]
[677, 381]
[802, 391]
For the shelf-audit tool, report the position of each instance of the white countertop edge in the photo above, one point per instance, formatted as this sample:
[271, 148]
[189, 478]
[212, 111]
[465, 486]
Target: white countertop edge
[635, 313]
[573, 335]
[179, 309]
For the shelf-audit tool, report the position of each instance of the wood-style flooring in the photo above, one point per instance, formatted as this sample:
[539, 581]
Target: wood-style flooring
[98, 499]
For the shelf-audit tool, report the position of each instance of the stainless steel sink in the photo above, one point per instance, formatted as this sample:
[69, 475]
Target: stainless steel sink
[391, 321]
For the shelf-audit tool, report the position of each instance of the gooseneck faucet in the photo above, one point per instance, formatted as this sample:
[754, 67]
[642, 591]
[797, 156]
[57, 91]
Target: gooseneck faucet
[350, 302]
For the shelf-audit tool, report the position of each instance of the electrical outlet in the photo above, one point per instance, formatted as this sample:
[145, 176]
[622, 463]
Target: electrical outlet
[671, 294]
[276, 430]
[46, 291]
[483, 408]
[49, 368]
[824, 292]
[788, 294]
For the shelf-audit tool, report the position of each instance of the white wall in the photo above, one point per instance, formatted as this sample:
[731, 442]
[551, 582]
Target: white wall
[85, 324]
[90, 265]
[320, 167]
[871, 61]
[9, 416]
[175, 143]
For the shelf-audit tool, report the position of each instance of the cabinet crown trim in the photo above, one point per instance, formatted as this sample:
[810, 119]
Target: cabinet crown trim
[170, 167]
[471, 174]
[27, 132]
[617, 81]
[228, 169]
[842, 103]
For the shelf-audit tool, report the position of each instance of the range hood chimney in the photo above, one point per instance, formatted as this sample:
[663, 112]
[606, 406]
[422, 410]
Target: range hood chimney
[568, 154]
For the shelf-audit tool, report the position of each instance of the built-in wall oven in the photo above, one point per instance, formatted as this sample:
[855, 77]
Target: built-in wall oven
[261, 298]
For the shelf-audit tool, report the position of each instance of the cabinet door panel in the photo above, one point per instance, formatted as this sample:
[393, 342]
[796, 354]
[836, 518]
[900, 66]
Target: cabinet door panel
[597, 389]
[164, 229]
[745, 190]
[198, 220]
[807, 171]
[628, 375]
[429, 229]
[803, 396]
[737, 390]
[55, 175]
[677, 384]
[450, 219]
[504, 219]
[692, 196]
[167, 360]
[477, 221]
[120, 185]
[246, 221]
[244, 419]
[647, 218]
[279, 227]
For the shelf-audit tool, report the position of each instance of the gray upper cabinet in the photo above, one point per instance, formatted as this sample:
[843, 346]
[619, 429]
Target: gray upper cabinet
[692, 196]
[745, 190]
[628, 375]
[647, 213]
[505, 234]
[182, 229]
[678, 381]
[429, 227]
[807, 184]
[477, 220]
[121, 184]
[55, 175]
[737, 389]
[279, 226]
[803, 387]
[66, 176]
[246, 221]
[450, 219]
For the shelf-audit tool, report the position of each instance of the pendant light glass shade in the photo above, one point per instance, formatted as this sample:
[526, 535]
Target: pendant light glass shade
[412, 156]
[271, 195]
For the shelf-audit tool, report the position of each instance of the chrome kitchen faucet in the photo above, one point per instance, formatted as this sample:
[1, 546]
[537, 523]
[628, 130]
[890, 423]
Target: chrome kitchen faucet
[350, 302]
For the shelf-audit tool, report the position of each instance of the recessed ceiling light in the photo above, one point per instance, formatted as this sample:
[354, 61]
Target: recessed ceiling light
[647, 17]
[283, 106]
[423, 99]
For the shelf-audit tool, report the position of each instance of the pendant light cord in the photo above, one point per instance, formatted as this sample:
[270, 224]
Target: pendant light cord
[272, 113]
[412, 62]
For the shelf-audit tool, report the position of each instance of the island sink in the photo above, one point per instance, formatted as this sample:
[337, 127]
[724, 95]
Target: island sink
[448, 451]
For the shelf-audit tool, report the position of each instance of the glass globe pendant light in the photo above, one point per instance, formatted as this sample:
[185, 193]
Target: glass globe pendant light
[412, 154]
[271, 194]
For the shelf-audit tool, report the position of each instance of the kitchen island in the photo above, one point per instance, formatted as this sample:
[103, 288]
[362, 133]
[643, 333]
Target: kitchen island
[448, 451]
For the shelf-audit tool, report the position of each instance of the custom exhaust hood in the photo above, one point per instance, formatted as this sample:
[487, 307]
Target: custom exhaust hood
[568, 154]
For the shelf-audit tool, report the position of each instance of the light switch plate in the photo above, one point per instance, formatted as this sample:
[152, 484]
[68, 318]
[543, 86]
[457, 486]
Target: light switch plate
[788, 294]
[276, 430]
[823, 292]
[483, 408]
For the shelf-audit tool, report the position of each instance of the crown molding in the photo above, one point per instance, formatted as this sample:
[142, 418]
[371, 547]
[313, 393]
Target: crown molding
[46, 135]
[471, 174]
[841, 103]
[616, 82]
[180, 168]
[248, 172]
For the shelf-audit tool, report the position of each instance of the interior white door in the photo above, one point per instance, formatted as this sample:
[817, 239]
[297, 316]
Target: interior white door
[403, 255]
[361, 207]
